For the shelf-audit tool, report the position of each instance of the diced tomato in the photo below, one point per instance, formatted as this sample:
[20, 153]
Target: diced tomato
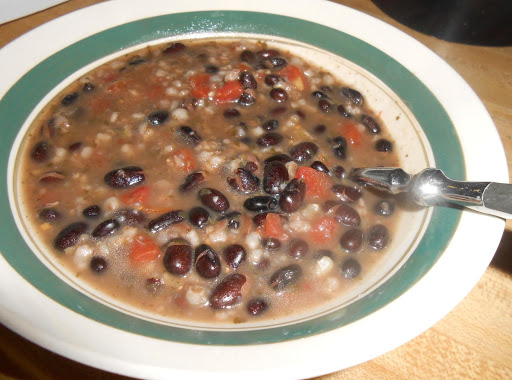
[185, 159]
[200, 84]
[323, 230]
[246, 225]
[117, 86]
[137, 195]
[351, 134]
[157, 91]
[318, 184]
[144, 249]
[230, 92]
[244, 67]
[295, 76]
[273, 227]
[99, 105]
[109, 77]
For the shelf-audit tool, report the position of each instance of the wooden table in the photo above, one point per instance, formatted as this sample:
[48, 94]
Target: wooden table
[472, 341]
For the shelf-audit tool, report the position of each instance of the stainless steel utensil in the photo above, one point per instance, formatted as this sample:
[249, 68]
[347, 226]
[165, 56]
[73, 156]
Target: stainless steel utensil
[431, 187]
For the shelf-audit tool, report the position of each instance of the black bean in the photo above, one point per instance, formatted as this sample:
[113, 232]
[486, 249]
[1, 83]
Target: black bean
[211, 69]
[384, 208]
[49, 215]
[260, 203]
[270, 125]
[125, 177]
[166, 220]
[158, 117]
[131, 217]
[301, 114]
[339, 172]
[319, 166]
[41, 151]
[278, 111]
[257, 306]
[343, 111]
[371, 124]
[266, 53]
[87, 87]
[213, 199]
[353, 95]
[303, 151]
[272, 79]
[231, 113]
[329, 205]
[298, 248]
[189, 135]
[279, 95]
[383, 145]
[244, 181]
[320, 94]
[281, 157]
[251, 166]
[347, 216]
[136, 61]
[192, 181]
[207, 261]
[293, 195]
[271, 243]
[98, 264]
[247, 56]
[350, 268]
[319, 129]
[286, 276]
[346, 193]
[106, 228]
[246, 99]
[75, 146]
[174, 48]
[270, 139]
[228, 293]
[275, 176]
[51, 177]
[198, 217]
[378, 237]
[277, 62]
[260, 66]
[178, 257]
[324, 105]
[339, 147]
[69, 99]
[70, 235]
[247, 80]
[235, 255]
[352, 240]
[259, 219]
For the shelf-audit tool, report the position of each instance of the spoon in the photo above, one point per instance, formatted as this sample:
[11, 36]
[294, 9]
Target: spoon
[431, 187]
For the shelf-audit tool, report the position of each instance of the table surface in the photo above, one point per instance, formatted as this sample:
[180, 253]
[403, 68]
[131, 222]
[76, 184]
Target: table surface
[473, 341]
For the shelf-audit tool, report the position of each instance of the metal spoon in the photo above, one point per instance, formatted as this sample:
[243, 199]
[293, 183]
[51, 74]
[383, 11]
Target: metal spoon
[431, 187]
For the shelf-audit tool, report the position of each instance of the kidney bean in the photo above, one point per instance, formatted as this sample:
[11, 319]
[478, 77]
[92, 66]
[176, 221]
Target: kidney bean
[329, 205]
[285, 276]
[383, 145]
[247, 56]
[131, 217]
[279, 95]
[384, 208]
[272, 79]
[370, 123]
[192, 181]
[69, 236]
[259, 219]
[247, 80]
[51, 177]
[324, 105]
[207, 261]
[275, 176]
[320, 167]
[178, 257]
[198, 217]
[246, 99]
[244, 181]
[352, 95]
[125, 177]
[270, 139]
[350, 268]
[106, 228]
[346, 193]
[228, 292]
[189, 135]
[231, 113]
[352, 240]
[277, 62]
[136, 61]
[41, 152]
[339, 147]
[347, 216]
[319, 129]
[257, 306]
[260, 203]
[98, 264]
[211, 69]
[303, 151]
[174, 48]
[235, 255]
[49, 215]
[69, 99]
[213, 199]
[271, 243]
[298, 248]
[166, 220]
[339, 172]
[270, 125]
[378, 237]
[281, 157]
[158, 117]
[293, 195]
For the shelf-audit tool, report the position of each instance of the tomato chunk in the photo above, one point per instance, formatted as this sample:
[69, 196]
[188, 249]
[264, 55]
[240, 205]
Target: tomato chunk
[144, 249]
[201, 85]
[295, 76]
[323, 230]
[138, 195]
[273, 227]
[318, 184]
[185, 159]
[230, 92]
[352, 134]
